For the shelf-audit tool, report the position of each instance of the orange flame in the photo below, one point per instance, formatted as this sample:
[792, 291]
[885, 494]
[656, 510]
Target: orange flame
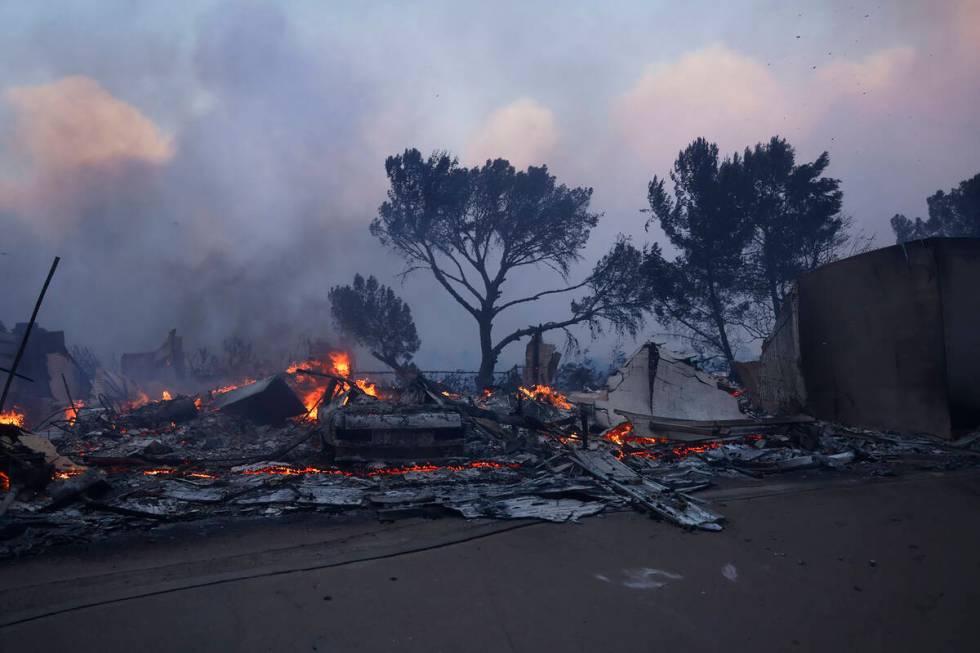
[166, 396]
[312, 389]
[4, 482]
[341, 363]
[72, 411]
[234, 386]
[619, 433]
[623, 434]
[310, 400]
[141, 400]
[12, 417]
[546, 394]
[367, 387]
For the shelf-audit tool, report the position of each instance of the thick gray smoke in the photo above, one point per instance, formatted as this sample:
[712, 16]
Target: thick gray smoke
[259, 206]
[214, 166]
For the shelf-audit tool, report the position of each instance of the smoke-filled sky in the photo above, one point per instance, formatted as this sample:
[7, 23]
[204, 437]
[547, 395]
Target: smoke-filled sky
[213, 166]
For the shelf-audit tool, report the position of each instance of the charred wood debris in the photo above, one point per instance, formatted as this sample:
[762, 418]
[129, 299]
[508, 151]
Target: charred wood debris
[312, 438]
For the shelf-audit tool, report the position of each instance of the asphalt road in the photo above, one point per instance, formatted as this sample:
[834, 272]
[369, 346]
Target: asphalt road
[882, 566]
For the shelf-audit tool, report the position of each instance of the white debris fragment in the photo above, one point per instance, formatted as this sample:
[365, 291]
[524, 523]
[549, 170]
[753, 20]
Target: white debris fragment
[730, 572]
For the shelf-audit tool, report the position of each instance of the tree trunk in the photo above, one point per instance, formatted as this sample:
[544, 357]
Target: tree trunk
[774, 296]
[770, 272]
[726, 346]
[488, 357]
[716, 314]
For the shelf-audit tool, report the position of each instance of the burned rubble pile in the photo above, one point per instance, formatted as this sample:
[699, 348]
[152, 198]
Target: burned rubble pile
[313, 438]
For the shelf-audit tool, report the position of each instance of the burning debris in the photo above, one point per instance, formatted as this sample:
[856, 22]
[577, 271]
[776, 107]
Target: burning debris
[13, 418]
[545, 394]
[318, 437]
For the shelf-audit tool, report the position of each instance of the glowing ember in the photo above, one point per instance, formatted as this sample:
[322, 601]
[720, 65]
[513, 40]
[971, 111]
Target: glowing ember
[65, 474]
[573, 438]
[546, 394]
[487, 393]
[4, 482]
[198, 402]
[159, 471]
[286, 470]
[623, 434]
[677, 451]
[643, 453]
[686, 450]
[166, 396]
[289, 470]
[450, 395]
[162, 471]
[12, 417]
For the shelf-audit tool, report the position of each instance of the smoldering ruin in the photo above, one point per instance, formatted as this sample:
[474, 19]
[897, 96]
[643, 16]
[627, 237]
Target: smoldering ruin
[90, 453]
[516, 326]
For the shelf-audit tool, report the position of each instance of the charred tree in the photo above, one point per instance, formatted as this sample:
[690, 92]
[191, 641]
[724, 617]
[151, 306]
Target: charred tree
[700, 291]
[956, 213]
[797, 225]
[472, 227]
[372, 315]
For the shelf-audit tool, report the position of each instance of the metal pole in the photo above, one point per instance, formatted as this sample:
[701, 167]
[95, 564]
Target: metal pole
[71, 402]
[27, 333]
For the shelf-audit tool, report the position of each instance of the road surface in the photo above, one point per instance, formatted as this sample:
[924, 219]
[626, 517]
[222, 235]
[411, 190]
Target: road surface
[889, 565]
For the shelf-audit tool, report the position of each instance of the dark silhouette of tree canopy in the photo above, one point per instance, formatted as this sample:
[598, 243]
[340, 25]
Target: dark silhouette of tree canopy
[580, 375]
[701, 290]
[956, 213]
[746, 228]
[373, 316]
[795, 214]
[471, 227]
